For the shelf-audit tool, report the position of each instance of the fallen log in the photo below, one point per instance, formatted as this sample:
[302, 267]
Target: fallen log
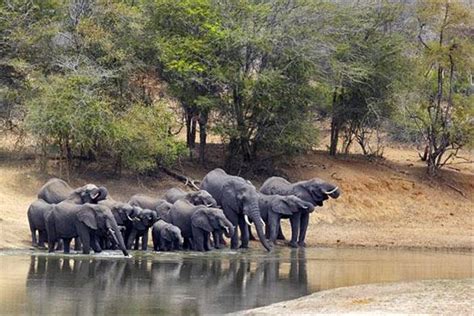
[187, 181]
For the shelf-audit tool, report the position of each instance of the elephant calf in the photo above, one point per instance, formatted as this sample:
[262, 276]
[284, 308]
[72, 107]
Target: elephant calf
[275, 207]
[198, 222]
[145, 219]
[166, 236]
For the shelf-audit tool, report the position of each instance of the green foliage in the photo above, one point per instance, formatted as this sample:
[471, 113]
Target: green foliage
[141, 137]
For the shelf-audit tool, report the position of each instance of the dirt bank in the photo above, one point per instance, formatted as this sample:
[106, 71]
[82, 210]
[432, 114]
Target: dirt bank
[440, 297]
[385, 203]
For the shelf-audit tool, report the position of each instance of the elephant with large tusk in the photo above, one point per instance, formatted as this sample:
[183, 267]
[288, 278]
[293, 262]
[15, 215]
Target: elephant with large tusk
[238, 198]
[314, 191]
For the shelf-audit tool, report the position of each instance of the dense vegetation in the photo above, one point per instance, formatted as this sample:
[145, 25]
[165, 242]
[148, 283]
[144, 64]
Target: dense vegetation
[100, 80]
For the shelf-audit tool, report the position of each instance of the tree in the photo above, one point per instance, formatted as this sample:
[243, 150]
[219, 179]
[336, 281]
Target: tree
[444, 110]
[364, 62]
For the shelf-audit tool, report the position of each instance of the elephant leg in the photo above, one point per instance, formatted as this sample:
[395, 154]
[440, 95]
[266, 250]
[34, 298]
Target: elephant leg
[131, 238]
[42, 238]
[155, 238]
[303, 227]
[234, 240]
[67, 245]
[145, 240]
[34, 242]
[60, 244]
[85, 239]
[244, 231]
[217, 237]
[162, 244]
[77, 244]
[295, 228]
[273, 224]
[280, 233]
[95, 244]
[207, 242]
[198, 239]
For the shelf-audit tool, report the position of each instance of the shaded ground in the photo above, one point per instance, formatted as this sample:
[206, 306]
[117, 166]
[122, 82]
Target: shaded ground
[440, 297]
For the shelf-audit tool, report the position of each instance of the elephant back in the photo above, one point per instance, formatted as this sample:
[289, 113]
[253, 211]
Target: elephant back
[276, 185]
[55, 191]
[174, 194]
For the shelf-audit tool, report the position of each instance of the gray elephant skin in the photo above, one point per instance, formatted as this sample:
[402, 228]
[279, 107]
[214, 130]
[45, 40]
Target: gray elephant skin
[125, 215]
[197, 223]
[239, 200]
[160, 206]
[200, 197]
[314, 191]
[166, 236]
[57, 190]
[67, 220]
[36, 212]
[275, 207]
[140, 228]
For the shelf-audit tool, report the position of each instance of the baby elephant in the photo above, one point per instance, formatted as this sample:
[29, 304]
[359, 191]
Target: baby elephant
[166, 237]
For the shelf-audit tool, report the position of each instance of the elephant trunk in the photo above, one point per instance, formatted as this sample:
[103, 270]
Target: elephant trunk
[228, 227]
[117, 235]
[258, 222]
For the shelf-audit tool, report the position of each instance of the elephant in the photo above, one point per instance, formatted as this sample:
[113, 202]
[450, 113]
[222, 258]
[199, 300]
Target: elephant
[166, 236]
[239, 200]
[125, 215]
[56, 190]
[314, 191]
[274, 207]
[146, 219]
[147, 202]
[197, 222]
[36, 220]
[67, 220]
[200, 197]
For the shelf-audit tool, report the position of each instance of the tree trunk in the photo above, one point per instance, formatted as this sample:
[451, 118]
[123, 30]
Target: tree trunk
[203, 118]
[334, 126]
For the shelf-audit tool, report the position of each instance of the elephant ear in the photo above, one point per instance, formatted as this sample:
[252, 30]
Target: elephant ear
[199, 219]
[282, 206]
[230, 197]
[87, 215]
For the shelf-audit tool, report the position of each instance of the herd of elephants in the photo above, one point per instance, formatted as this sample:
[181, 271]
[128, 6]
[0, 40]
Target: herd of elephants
[225, 205]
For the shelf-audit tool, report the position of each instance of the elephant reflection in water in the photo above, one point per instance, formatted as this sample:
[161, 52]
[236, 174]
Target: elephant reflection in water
[182, 285]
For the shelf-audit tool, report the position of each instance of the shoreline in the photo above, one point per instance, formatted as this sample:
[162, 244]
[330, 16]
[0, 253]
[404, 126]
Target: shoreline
[439, 296]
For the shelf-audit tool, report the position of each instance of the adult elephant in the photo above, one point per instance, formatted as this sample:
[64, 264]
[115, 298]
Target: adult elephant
[56, 190]
[314, 191]
[197, 222]
[239, 201]
[125, 215]
[200, 197]
[160, 206]
[275, 207]
[166, 236]
[68, 220]
[36, 221]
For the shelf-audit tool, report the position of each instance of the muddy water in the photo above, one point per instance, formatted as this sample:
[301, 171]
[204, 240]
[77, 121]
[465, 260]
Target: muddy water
[210, 283]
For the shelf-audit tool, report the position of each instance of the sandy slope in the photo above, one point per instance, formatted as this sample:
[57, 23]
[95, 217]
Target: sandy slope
[385, 203]
[439, 297]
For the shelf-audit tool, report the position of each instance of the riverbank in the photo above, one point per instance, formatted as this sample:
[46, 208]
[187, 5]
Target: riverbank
[441, 297]
[386, 203]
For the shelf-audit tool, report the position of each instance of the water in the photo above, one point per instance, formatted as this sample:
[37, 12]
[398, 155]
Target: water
[211, 283]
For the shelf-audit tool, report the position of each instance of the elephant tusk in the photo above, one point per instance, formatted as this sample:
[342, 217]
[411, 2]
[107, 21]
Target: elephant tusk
[209, 205]
[247, 220]
[111, 231]
[263, 223]
[129, 218]
[331, 192]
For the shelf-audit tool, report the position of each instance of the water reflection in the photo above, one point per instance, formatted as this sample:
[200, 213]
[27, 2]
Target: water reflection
[184, 285]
